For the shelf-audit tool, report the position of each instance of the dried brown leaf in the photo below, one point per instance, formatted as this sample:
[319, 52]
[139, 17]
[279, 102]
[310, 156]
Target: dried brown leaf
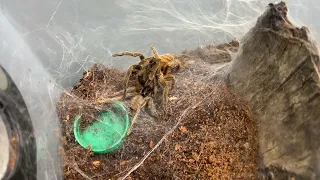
[123, 163]
[96, 163]
[195, 156]
[151, 144]
[211, 159]
[183, 129]
[173, 98]
[177, 147]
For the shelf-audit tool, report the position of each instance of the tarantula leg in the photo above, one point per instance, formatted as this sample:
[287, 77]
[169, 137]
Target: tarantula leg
[134, 120]
[152, 108]
[157, 61]
[155, 86]
[175, 65]
[127, 77]
[155, 52]
[164, 84]
[166, 70]
[155, 69]
[128, 53]
[140, 106]
[171, 78]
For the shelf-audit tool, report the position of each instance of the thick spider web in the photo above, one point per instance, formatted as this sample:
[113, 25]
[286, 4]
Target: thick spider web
[64, 38]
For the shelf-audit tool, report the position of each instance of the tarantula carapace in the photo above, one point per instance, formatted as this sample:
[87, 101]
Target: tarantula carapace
[151, 73]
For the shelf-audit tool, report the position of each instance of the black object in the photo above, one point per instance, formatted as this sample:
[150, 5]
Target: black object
[22, 161]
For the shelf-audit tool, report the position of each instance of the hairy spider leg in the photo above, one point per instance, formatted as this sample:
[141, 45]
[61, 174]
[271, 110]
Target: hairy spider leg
[155, 52]
[171, 78]
[155, 89]
[163, 81]
[161, 65]
[127, 77]
[140, 106]
[174, 65]
[151, 108]
[157, 61]
[155, 69]
[143, 75]
[128, 53]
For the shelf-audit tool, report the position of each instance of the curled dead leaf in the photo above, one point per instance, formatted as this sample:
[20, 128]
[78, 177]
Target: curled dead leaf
[195, 156]
[190, 62]
[68, 117]
[96, 163]
[123, 163]
[89, 148]
[173, 98]
[173, 135]
[151, 144]
[211, 159]
[177, 147]
[183, 129]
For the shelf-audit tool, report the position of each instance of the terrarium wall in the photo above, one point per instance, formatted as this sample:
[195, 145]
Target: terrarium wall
[47, 45]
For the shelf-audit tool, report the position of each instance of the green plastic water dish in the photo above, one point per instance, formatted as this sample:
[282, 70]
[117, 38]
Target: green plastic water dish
[107, 133]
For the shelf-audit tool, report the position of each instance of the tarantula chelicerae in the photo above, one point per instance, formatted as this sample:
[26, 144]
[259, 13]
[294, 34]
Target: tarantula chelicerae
[151, 73]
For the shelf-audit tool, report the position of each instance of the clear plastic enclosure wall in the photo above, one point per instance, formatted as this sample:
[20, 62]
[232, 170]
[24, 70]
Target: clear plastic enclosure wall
[46, 45]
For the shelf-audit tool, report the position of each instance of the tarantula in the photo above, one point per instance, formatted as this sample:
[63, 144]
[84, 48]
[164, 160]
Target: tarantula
[150, 72]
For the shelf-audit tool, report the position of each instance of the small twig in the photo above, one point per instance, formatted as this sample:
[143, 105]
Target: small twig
[76, 167]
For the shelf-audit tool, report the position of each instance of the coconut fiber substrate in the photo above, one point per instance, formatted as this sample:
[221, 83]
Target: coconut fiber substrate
[206, 133]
